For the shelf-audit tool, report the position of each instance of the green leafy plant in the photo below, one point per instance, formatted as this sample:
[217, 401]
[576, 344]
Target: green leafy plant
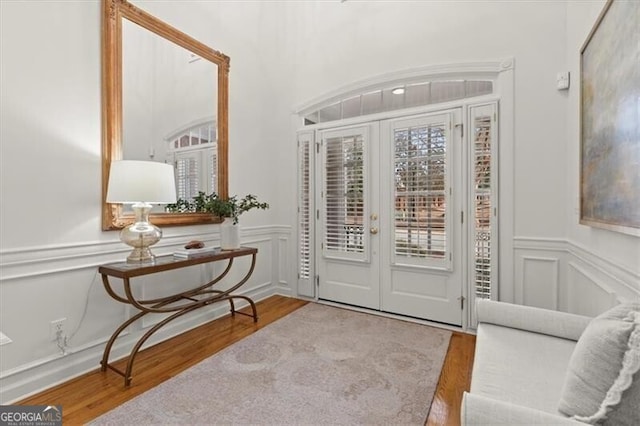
[231, 207]
[180, 206]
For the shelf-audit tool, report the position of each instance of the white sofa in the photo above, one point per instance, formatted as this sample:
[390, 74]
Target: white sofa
[521, 358]
[540, 367]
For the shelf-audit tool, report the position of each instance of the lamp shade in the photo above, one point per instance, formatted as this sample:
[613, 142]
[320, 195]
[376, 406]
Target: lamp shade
[133, 181]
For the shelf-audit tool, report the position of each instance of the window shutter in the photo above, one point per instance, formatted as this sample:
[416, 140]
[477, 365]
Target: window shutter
[195, 151]
[306, 228]
[212, 157]
[421, 192]
[344, 195]
[484, 197]
[304, 216]
[186, 176]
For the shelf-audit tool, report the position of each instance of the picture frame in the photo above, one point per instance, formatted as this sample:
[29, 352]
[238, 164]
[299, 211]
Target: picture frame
[610, 120]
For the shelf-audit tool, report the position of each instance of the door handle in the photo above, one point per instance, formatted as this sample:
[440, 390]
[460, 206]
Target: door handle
[374, 231]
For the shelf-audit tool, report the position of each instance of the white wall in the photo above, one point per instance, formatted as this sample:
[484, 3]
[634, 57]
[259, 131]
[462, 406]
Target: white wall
[50, 234]
[615, 264]
[138, 83]
[557, 263]
[282, 55]
[621, 248]
[583, 270]
[340, 43]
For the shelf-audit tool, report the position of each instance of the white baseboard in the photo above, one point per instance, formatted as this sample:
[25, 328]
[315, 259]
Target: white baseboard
[60, 273]
[45, 373]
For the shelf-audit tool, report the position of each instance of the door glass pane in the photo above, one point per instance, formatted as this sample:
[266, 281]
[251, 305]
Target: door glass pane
[344, 194]
[420, 196]
[482, 207]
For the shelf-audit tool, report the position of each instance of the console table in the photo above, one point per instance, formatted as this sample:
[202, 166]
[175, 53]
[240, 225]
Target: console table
[179, 303]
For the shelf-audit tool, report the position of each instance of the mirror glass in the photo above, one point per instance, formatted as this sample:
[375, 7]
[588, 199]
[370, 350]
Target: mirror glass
[169, 98]
[165, 98]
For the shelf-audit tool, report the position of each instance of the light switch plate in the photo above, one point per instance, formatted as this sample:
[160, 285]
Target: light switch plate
[562, 80]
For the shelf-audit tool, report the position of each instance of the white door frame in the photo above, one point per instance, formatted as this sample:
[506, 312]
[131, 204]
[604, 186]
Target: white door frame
[502, 73]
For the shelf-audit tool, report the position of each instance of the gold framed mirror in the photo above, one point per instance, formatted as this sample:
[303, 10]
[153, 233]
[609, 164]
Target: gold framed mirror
[130, 130]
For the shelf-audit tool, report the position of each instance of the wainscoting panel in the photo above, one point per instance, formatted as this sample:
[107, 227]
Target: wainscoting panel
[539, 281]
[160, 285]
[42, 284]
[283, 264]
[285, 267]
[54, 259]
[587, 295]
[558, 274]
[622, 280]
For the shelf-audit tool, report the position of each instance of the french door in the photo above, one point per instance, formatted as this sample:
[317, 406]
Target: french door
[421, 244]
[382, 207]
[349, 264]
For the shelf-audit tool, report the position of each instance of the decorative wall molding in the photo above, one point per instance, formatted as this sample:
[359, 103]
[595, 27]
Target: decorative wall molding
[283, 261]
[38, 375]
[586, 283]
[575, 279]
[605, 265]
[34, 261]
[60, 263]
[52, 259]
[581, 282]
[540, 274]
[544, 244]
[485, 69]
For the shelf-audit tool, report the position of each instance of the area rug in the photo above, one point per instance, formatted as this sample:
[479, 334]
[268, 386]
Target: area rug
[317, 365]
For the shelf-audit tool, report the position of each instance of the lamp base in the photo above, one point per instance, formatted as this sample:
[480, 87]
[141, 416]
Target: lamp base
[141, 235]
[141, 255]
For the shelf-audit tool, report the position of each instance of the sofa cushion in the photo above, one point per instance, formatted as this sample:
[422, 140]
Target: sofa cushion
[520, 367]
[602, 383]
[529, 318]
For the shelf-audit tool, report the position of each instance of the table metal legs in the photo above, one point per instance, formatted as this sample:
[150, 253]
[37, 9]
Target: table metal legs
[196, 298]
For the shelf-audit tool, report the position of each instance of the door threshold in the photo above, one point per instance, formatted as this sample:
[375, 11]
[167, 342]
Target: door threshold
[355, 308]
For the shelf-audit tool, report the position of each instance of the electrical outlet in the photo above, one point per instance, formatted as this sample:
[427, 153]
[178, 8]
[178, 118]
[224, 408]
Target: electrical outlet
[56, 326]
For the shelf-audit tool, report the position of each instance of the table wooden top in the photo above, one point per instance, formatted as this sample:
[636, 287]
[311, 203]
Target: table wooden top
[167, 263]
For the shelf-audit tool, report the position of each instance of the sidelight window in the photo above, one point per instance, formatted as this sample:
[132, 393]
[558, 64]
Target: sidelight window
[483, 201]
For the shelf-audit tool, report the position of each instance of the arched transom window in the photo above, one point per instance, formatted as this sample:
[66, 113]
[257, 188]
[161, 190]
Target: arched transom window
[397, 97]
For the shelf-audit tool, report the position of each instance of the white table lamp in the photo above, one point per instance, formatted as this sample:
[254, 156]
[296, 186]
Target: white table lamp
[141, 184]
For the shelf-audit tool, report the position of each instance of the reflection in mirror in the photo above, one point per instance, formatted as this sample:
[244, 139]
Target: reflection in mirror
[165, 98]
[195, 156]
[168, 109]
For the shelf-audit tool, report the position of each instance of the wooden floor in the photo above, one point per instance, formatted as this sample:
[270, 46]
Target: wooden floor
[95, 393]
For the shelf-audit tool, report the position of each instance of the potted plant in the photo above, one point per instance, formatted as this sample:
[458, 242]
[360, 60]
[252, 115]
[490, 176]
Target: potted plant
[230, 209]
[233, 207]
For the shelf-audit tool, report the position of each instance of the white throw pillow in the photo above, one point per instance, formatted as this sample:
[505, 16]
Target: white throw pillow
[602, 384]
